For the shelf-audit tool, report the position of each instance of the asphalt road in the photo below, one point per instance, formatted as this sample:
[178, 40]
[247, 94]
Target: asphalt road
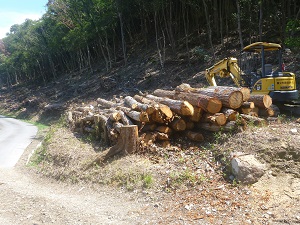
[15, 136]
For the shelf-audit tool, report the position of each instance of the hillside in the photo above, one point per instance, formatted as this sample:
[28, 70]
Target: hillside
[187, 181]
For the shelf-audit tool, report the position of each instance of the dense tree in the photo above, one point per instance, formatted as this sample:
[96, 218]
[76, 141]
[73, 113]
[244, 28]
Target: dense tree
[74, 35]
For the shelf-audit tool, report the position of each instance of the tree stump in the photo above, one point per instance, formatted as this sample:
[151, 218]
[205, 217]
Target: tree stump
[127, 142]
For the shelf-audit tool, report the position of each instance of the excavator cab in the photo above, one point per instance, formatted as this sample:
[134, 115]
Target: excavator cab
[263, 71]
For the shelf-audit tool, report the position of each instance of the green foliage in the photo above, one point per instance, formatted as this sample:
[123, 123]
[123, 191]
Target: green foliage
[76, 34]
[293, 31]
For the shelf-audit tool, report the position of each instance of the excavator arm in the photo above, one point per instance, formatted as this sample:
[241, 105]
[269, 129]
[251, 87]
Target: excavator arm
[227, 67]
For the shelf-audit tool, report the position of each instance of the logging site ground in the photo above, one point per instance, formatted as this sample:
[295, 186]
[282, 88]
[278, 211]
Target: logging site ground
[183, 183]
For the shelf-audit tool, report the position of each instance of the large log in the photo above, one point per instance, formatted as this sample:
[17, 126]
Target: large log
[207, 103]
[261, 101]
[245, 91]
[230, 97]
[180, 107]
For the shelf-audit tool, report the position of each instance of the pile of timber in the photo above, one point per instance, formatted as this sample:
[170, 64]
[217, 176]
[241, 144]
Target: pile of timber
[159, 116]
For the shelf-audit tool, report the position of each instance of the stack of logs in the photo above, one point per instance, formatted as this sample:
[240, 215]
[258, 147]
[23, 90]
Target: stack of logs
[156, 117]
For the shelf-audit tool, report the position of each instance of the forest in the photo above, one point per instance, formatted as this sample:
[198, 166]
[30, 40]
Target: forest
[76, 35]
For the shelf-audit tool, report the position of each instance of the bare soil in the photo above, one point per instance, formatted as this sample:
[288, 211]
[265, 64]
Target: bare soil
[187, 183]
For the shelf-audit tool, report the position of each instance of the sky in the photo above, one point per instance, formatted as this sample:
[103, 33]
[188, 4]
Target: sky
[17, 11]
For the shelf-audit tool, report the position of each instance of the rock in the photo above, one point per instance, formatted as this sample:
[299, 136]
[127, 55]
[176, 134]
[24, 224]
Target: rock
[293, 131]
[246, 168]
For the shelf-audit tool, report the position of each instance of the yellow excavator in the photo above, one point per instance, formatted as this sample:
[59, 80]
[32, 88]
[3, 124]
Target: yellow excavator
[260, 68]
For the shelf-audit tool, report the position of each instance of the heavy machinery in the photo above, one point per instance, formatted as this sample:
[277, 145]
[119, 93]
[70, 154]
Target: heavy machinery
[260, 68]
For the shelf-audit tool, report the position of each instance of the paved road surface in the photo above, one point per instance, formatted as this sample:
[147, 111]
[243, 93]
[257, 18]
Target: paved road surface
[15, 136]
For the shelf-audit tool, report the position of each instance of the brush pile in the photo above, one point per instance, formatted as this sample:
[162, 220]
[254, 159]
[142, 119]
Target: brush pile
[187, 111]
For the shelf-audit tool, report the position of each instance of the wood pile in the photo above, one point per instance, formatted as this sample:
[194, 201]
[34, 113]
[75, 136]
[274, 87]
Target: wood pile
[156, 117]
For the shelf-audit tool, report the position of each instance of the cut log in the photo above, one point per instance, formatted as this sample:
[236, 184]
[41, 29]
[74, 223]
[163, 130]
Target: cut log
[230, 126]
[230, 97]
[165, 93]
[107, 104]
[115, 116]
[247, 107]
[164, 129]
[125, 119]
[198, 112]
[180, 107]
[207, 103]
[101, 128]
[194, 136]
[253, 119]
[272, 111]
[178, 124]
[245, 91]
[148, 127]
[135, 105]
[189, 125]
[217, 118]
[230, 114]
[261, 101]
[135, 115]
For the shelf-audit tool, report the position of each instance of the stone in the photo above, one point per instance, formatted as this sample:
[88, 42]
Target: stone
[246, 168]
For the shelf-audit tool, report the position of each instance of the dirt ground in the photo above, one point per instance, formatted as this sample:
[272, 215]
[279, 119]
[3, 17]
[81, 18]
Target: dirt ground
[187, 183]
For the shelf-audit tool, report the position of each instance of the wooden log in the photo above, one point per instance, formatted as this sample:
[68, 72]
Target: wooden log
[230, 97]
[162, 113]
[253, 119]
[117, 126]
[107, 104]
[207, 103]
[247, 107]
[217, 118]
[101, 128]
[178, 106]
[125, 119]
[148, 127]
[178, 124]
[189, 125]
[246, 92]
[198, 112]
[115, 116]
[230, 114]
[230, 126]
[164, 129]
[261, 101]
[135, 115]
[165, 93]
[272, 111]
[135, 105]
[194, 136]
